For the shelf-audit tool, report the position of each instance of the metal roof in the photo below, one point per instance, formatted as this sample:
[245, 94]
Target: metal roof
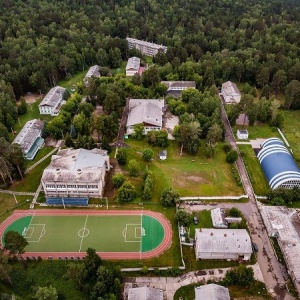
[53, 97]
[211, 292]
[179, 84]
[278, 164]
[145, 293]
[230, 88]
[133, 63]
[93, 71]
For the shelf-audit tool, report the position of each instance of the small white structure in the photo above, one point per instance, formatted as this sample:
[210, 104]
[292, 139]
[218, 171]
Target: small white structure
[53, 101]
[133, 66]
[149, 49]
[242, 134]
[76, 173]
[93, 72]
[231, 220]
[211, 292]
[163, 154]
[148, 112]
[145, 293]
[223, 244]
[231, 93]
[29, 138]
[217, 217]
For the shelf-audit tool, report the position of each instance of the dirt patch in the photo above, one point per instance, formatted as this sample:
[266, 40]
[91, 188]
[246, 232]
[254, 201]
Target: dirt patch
[183, 180]
[32, 98]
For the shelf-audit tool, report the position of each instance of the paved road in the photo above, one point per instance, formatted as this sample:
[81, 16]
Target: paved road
[273, 272]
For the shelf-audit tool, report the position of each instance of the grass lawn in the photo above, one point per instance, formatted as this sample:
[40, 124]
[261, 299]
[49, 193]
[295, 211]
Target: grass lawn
[190, 175]
[256, 174]
[257, 291]
[120, 70]
[291, 132]
[73, 80]
[260, 131]
[41, 153]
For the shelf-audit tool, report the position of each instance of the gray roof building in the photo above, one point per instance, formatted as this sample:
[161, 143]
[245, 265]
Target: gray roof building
[29, 138]
[145, 293]
[179, 85]
[218, 218]
[211, 292]
[230, 92]
[144, 47]
[223, 244]
[93, 71]
[52, 102]
[146, 111]
[133, 65]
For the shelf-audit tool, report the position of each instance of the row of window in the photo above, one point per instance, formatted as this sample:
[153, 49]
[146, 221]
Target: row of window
[71, 186]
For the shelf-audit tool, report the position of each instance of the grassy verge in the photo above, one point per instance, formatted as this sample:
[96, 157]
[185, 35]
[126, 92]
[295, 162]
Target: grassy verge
[44, 151]
[255, 172]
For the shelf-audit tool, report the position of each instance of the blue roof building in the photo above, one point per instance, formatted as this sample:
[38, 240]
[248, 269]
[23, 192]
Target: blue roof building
[279, 165]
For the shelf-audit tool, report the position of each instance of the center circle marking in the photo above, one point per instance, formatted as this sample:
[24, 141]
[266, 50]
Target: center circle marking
[83, 232]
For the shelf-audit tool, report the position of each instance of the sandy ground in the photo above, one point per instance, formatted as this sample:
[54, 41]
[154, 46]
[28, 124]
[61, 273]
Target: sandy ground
[32, 98]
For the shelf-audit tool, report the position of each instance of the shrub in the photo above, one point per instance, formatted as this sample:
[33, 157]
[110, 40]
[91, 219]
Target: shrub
[134, 168]
[147, 154]
[117, 180]
[122, 156]
[232, 156]
[183, 218]
[169, 197]
[126, 192]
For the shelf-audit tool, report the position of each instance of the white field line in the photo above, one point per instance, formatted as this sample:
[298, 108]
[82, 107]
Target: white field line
[83, 234]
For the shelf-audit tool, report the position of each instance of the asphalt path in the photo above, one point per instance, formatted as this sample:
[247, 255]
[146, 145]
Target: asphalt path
[274, 273]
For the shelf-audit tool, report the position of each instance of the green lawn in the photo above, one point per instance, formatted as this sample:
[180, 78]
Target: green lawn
[261, 131]
[78, 233]
[256, 174]
[73, 80]
[291, 131]
[41, 153]
[190, 175]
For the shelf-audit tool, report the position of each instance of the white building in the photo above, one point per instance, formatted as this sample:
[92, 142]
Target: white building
[145, 293]
[133, 66]
[53, 101]
[175, 88]
[148, 112]
[29, 138]
[242, 134]
[223, 244]
[218, 218]
[279, 222]
[93, 71]
[76, 173]
[211, 292]
[231, 93]
[149, 49]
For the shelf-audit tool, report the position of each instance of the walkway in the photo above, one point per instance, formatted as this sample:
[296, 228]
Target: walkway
[273, 272]
[171, 284]
[36, 194]
[17, 193]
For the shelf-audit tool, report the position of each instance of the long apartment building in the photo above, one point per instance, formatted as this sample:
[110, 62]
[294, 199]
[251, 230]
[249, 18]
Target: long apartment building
[149, 49]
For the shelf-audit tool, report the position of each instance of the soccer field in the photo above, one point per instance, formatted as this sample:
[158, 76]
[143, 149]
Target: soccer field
[129, 232]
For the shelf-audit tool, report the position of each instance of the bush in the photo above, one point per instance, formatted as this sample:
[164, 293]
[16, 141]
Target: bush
[117, 180]
[241, 276]
[144, 270]
[122, 156]
[232, 156]
[134, 168]
[234, 212]
[147, 154]
[148, 187]
[183, 218]
[126, 193]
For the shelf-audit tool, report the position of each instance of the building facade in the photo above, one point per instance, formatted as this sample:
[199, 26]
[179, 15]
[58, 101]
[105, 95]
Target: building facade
[30, 138]
[148, 112]
[76, 173]
[149, 49]
[223, 244]
[231, 93]
[53, 101]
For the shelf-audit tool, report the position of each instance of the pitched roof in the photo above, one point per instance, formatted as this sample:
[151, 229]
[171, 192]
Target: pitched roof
[145, 293]
[132, 41]
[211, 292]
[93, 71]
[145, 111]
[53, 97]
[230, 88]
[133, 63]
[179, 84]
[223, 240]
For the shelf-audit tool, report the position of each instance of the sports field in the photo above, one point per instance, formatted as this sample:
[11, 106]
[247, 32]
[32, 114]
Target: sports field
[114, 234]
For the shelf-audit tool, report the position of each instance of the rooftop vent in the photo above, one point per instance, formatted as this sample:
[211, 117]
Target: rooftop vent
[58, 169]
[211, 233]
[79, 171]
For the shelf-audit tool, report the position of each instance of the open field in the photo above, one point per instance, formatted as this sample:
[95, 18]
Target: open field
[190, 175]
[256, 174]
[114, 234]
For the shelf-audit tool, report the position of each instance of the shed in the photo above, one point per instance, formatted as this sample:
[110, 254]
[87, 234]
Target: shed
[163, 154]
[211, 292]
[242, 134]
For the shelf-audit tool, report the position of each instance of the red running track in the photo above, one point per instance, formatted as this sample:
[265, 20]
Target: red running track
[165, 244]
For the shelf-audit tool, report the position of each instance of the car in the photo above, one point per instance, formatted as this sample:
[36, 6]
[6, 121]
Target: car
[195, 220]
[255, 247]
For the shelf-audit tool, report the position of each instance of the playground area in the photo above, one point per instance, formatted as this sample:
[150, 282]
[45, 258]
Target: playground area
[69, 233]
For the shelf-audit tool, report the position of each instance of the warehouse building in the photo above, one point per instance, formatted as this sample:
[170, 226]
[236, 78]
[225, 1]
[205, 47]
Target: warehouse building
[278, 165]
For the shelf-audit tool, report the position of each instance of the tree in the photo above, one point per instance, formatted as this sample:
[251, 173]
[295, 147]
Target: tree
[134, 168]
[22, 108]
[76, 273]
[292, 95]
[214, 134]
[117, 180]
[46, 293]
[91, 264]
[147, 154]
[169, 197]
[232, 156]
[3, 132]
[265, 92]
[138, 131]
[234, 212]
[15, 243]
[5, 268]
[122, 156]
[148, 186]
[240, 276]
[126, 193]
[183, 218]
